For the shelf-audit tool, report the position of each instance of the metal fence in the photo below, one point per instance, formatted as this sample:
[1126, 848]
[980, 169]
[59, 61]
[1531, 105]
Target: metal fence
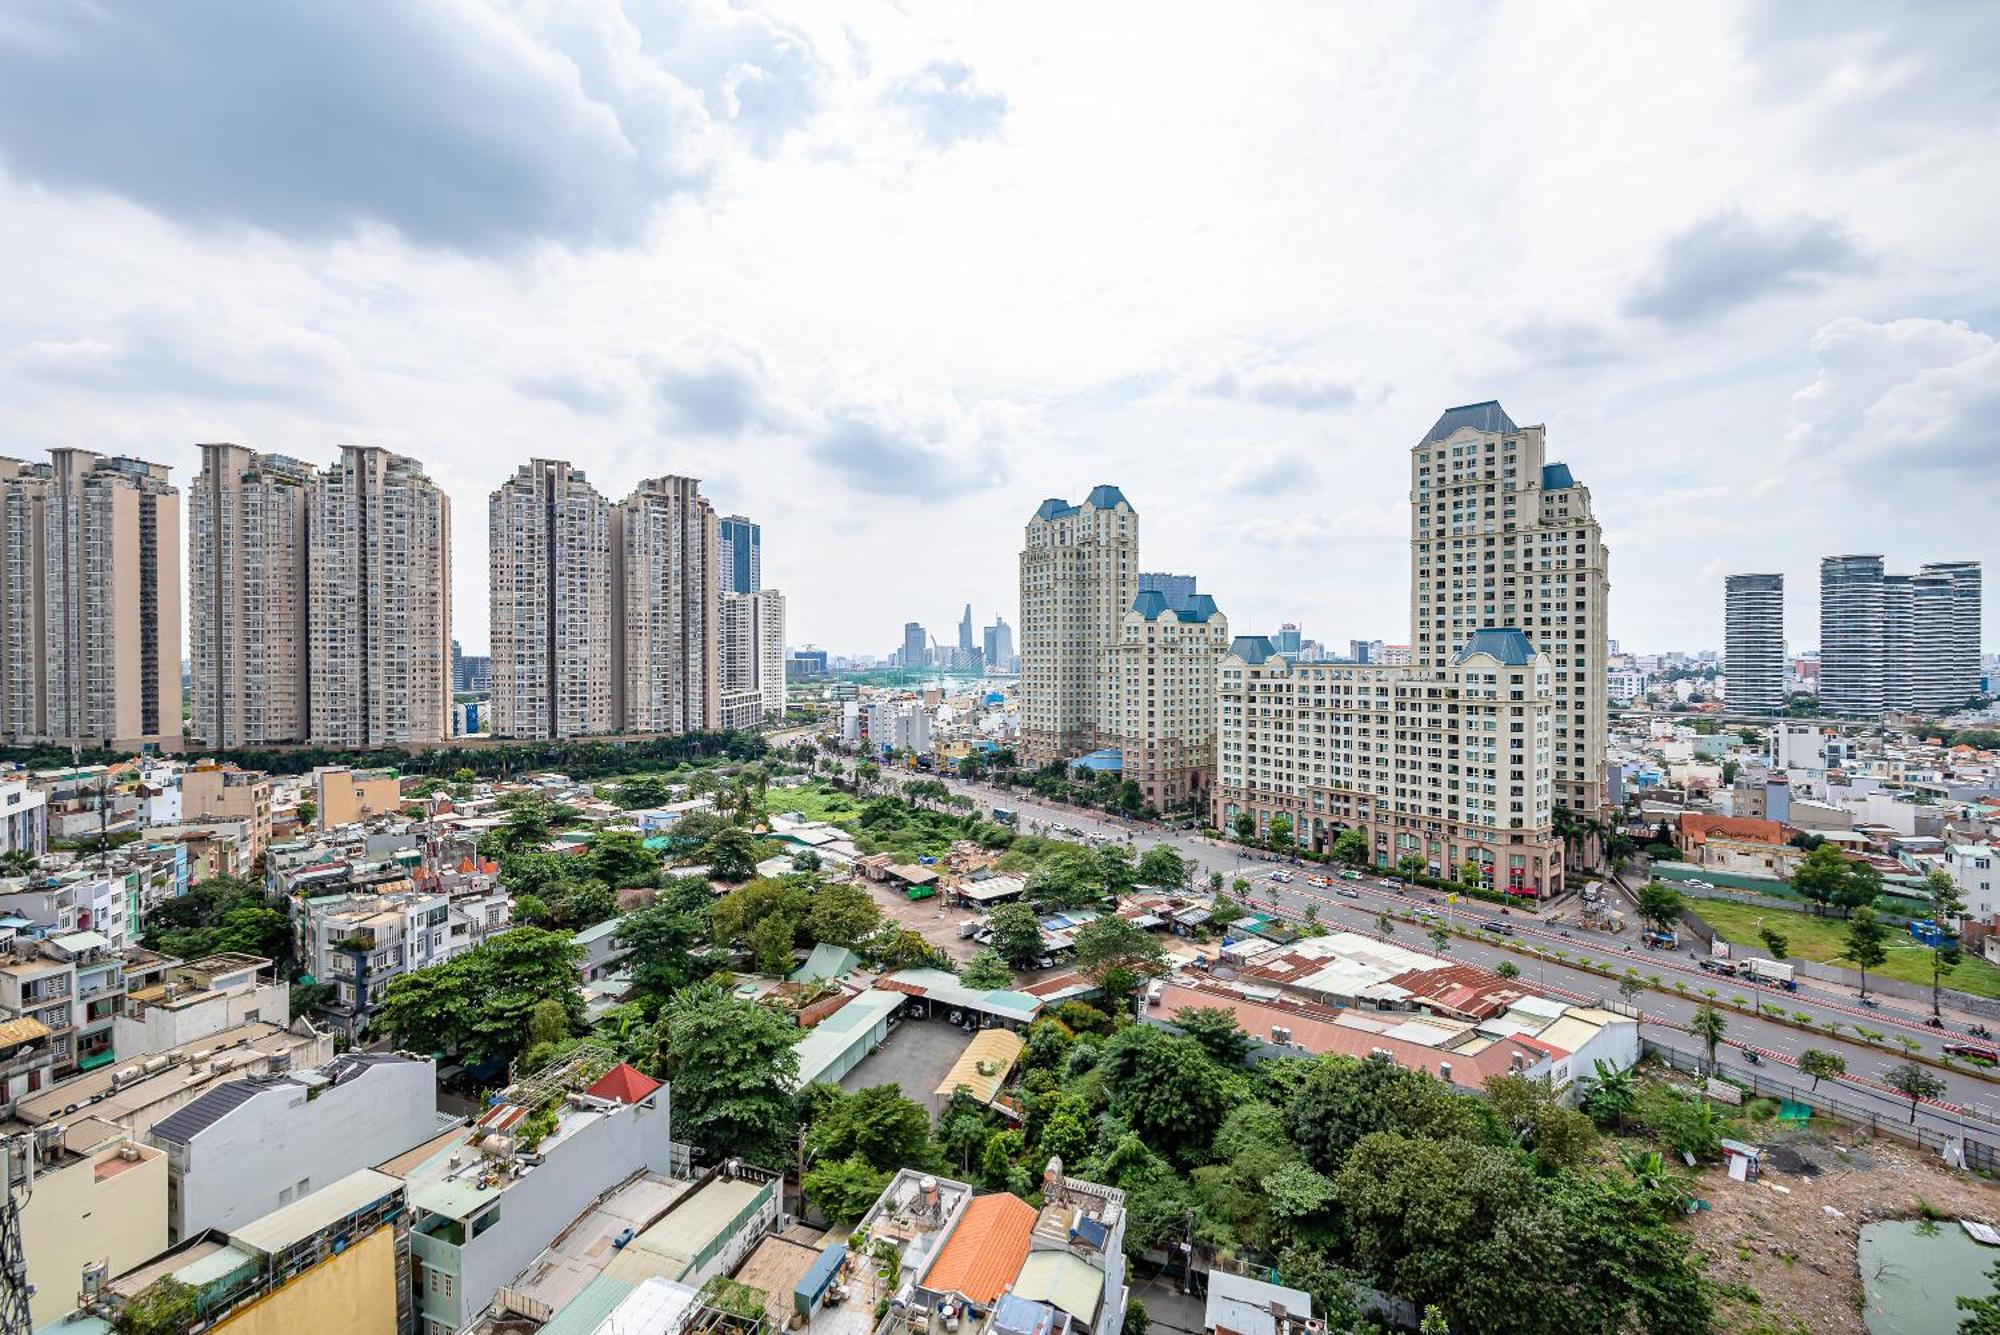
[1980, 1145]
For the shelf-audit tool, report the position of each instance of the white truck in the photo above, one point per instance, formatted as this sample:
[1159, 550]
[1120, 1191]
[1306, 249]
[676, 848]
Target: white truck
[1776, 973]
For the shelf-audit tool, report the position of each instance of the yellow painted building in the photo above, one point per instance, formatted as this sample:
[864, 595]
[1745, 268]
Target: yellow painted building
[353, 1293]
[345, 796]
[91, 1203]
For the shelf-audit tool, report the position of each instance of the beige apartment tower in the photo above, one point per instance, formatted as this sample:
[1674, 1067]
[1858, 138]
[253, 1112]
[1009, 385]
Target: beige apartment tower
[550, 537]
[248, 598]
[752, 655]
[665, 645]
[90, 603]
[1499, 537]
[379, 639]
[1160, 696]
[1079, 576]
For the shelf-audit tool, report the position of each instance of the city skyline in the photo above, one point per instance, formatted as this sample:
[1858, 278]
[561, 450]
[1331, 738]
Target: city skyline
[1782, 358]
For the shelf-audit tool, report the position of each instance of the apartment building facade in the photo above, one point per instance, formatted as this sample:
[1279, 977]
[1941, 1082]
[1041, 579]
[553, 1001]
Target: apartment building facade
[379, 562]
[1754, 641]
[1161, 695]
[248, 598]
[1894, 643]
[90, 603]
[752, 652]
[551, 595]
[1079, 575]
[1502, 537]
[665, 667]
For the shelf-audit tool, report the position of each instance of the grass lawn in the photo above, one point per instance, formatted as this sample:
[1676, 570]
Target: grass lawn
[1824, 939]
[817, 802]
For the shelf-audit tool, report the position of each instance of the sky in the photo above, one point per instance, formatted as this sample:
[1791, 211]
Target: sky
[884, 276]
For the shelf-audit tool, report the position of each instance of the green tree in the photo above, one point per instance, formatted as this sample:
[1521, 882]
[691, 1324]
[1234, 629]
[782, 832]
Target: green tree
[1659, 906]
[1343, 1099]
[643, 790]
[1216, 1030]
[1163, 865]
[732, 1066]
[1820, 1064]
[1946, 904]
[478, 1004]
[1507, 969]
[1118, 869]
[771, 943]
[878, 1124]
[731, 855]
[1279, 834]
[1116, 955]
[842, 914]
[1709, 1025]
[843, 1189]
[1245, 826]
[1351, 848]
[1017, 934]
[1776, 943]
[1914, 1083]
[1138, 1323]
[1165, 1088]
[1411, 864]
[620, 859]
[1867, 943]
[1985, 1318]
[660, 941]
[986, 971]
[547, 1022]
[1068, 877]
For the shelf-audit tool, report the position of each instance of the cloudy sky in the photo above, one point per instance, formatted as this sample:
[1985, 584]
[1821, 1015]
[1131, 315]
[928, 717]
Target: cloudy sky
[884, 276]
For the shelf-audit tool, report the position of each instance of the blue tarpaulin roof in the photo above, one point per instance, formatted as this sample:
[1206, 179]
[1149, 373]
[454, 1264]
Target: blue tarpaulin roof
[813, 1284]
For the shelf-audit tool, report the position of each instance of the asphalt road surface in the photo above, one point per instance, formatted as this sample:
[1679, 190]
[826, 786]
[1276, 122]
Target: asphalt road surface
[1970, 1103]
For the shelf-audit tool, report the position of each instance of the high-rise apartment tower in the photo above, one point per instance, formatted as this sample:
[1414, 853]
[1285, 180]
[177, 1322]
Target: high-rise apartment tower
[1754, 641]
[550, 536]
[1079, 576]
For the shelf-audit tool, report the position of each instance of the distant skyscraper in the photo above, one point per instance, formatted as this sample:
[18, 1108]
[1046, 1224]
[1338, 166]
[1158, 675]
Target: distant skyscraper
[1851, 632]
[379, 573]
[1754, 639]
[1288, 639]
[1179, 590]
[740, 555]
[665, 643]
[998, 643]
[965, 645]
[248, 599]
[550, 536]
[1079, 576]
[1954, 627]
[90, 602]
[916, 645]
[1892, 643]
[752, 654]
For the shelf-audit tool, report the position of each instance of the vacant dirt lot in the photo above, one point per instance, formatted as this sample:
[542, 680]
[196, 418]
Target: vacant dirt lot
[1796, 1257]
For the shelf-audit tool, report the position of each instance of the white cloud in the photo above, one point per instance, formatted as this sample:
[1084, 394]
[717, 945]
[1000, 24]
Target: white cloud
[1909, 403]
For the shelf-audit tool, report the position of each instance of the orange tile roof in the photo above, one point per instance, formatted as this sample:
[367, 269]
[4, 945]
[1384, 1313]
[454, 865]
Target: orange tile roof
[624, 1084]
[985, 1251]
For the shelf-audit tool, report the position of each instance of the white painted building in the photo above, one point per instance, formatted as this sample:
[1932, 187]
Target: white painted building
[247, 1147]
[24, 817]
[1975, 870]
[195, 1000]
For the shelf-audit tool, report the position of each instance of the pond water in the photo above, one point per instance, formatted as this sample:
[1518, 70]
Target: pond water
[1913, 1273]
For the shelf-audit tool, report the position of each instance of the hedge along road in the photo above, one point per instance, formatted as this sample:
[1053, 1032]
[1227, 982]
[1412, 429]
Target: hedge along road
[1979, 1097]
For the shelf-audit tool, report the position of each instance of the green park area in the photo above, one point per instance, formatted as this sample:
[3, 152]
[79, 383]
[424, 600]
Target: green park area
[1824, 939]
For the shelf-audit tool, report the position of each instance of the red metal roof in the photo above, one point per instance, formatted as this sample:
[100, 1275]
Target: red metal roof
[624, 1084]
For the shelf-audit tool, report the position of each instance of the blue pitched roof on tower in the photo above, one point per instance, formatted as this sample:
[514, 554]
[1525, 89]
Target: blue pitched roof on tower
[1506, 643]
[1556, 477]
[1104, 496]
[1055, 507]
[1489, 417]
[1253, 648]
[1152, 605]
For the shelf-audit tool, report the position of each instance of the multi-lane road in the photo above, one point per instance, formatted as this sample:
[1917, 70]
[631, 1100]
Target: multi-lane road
[1969, 1101]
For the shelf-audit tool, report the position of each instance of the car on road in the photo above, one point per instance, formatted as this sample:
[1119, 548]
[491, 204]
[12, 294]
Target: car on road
[1350, 876]
[1347, 892]
[1318, 882]
[1974, 1051]
[1282, 877]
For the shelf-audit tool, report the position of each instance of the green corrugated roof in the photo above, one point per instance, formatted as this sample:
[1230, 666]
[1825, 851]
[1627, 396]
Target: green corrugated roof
[1070, 1282]
[584, 1313]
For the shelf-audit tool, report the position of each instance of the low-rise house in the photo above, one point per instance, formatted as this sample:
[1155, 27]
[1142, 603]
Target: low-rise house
[98, 1206]
[344, 796]
[1737, 845]
[255, 1144]
[219, 792]
[179, 1004]
[358, 943]
[24, 816]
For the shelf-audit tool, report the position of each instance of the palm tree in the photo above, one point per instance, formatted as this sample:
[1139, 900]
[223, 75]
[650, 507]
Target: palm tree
[1709, 1025]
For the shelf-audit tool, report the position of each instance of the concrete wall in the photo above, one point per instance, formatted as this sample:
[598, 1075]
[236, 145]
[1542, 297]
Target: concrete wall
[575, 1172]
[164, 1027]
[283, 1144]
[76, 1217]
[353, 1293]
